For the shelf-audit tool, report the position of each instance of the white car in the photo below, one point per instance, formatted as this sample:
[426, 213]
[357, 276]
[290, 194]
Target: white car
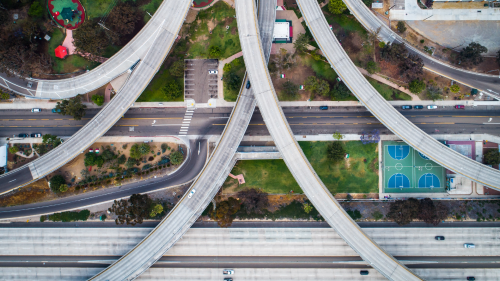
[432, 107]
[469, 245]
[191, 193]
[213, 72]
[36, 110]
[228, 272]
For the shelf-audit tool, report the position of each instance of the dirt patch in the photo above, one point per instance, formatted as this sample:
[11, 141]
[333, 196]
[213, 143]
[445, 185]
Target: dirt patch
[28, 194]
[191, 16]
[445, 83]
[211, 25]
[297, 74]
[200, 38]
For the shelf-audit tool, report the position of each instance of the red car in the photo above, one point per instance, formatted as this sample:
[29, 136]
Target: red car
[459, 107]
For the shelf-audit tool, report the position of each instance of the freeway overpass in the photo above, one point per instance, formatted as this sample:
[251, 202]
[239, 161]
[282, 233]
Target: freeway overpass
[112, 112]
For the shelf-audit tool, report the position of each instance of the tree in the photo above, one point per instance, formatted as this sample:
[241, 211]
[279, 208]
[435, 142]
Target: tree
[233, 81]
[19, 54]
[340, 92]
[72, 107]
[177, 68]
[144, 148]
[317, 86]
[283, 60]
[122, 18]
[335, 151]
[429, 3]
[130, 162]
[254, 201]
[417, 86]
[434, 92]
[472, 54]
[301, 43]
[91, 40]
[36, 10]
[492, 157]
[63, 188]
[93, 159]
[394, 53]
[290, 89]
[98, 99]
[403, 211]
[4, 95]
[336, 7]
[214, 52]
[372, 67]
[156, 209]
[432, 213]
[121, 160]
[137, 151]
[176, 158]
[338, 136]
[355, 215]
[132, 211]
[51, 139]
[56, 182]
[108, 155]
[172, 90]
[372, 37]
[411, 67]
[307, 207]
[225, 212]
[401, 27]
[13, 149]
[454, 88]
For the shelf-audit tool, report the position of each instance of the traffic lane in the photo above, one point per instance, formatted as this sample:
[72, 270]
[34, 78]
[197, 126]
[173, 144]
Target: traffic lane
[12, 179]
[17, 84]
[186, 173]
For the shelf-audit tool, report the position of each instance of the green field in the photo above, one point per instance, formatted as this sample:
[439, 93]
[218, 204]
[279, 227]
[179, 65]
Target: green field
[151, 8]
[273, 176]
[154, 91]
[388, 92]
[239, 69]
[70, 63]
[97, 8]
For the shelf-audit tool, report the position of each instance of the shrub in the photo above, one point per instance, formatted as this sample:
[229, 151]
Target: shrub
[56, 182]
[70, 216]
[422, 41]
[455, 88]
[416, 86]
[43, 218]
[176, 158]
[13, 149]
[98, 100]
[401, 27]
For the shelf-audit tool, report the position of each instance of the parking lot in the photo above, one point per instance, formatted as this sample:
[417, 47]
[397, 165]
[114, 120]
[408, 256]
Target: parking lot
[199, 84]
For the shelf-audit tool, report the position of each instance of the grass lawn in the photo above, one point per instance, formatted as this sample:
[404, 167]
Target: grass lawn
[239, 69]
[222, 15]
[387, 92]
[154, 91]
[97, 9]
[70, 63]
[151, 7]
[274, 177]
[347, 22]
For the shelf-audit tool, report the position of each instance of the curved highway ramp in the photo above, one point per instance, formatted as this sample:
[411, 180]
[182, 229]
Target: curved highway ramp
[143, 73]
[383, 111]
[202, 191]
[298, 164]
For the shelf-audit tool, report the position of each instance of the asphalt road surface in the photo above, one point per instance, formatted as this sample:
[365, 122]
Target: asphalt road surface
[185, 174]
[161, 122]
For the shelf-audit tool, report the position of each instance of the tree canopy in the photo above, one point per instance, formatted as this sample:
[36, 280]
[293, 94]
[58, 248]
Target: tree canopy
[139, 150]
[225, 211]
[134, 210]
[92, 40]
[72, 107]
[214, 52]
[177, 68]
[317, 86]
[98, 99]
[336, 7]
[290, 89]
[176, 158]
[472, 54]
[401, 27]
[253, 200]
[335, 151]
[56, 182]
[301, 43]
[372, 67]
[403, 211]
[93, 159]
[122, 18]
[492, 157]
[233, 81]
[417, 86]
[340, 91]
[172, 90]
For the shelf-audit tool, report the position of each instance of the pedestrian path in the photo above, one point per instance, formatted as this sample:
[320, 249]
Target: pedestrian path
[390, 84]
[186, 121]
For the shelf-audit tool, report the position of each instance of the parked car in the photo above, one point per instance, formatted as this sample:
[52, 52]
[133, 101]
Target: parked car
[36, 110]
[23, 136]
[248, 84]
[324, 107]
[439, 237]
[191, 193]
[36, 135]
[54, 110]
[469, 245]
[228, 279]
[213, 71]
[459, 106]
[432, 107]
[471, 278]
[228, 272]
[406, 107]
[364, 272]
[30, 84]
[419, 107]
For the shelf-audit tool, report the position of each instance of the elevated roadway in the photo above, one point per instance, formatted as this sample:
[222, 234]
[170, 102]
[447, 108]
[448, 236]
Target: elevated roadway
[383, 111]
[293, 156]
[252, 242]
[241, 274]
[489, 84]
[120, 63]
[204, 188]
[143, 73]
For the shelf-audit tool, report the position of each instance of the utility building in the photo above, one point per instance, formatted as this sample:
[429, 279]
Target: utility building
[283, 31]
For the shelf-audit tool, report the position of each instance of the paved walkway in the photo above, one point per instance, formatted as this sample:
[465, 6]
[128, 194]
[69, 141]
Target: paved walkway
[68, 42]
[107, 92]
[240, 178]
[389, 83]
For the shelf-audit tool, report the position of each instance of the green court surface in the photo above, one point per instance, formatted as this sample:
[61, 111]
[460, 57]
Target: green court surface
[408, 171]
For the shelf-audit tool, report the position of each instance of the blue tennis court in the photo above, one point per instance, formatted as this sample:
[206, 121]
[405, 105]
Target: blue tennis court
[429, 180]
[398, 152]
[398, 181]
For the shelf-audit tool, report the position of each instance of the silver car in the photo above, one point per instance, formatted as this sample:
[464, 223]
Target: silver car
[191, 193]
[432, 107]
[469, 245]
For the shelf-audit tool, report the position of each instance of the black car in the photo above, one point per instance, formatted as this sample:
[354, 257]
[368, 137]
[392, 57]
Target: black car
[472, 278]
[324, 107]
[248, 84]
[406, 107]
[364, 272]
[439, 237]
[419, 107]
[23, 135]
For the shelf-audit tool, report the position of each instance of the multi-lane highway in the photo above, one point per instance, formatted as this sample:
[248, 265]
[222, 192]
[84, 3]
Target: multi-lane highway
[380, 108]
[112, 112]
[489, 84]
[161, 122]
[293, 156]
[204, 188]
